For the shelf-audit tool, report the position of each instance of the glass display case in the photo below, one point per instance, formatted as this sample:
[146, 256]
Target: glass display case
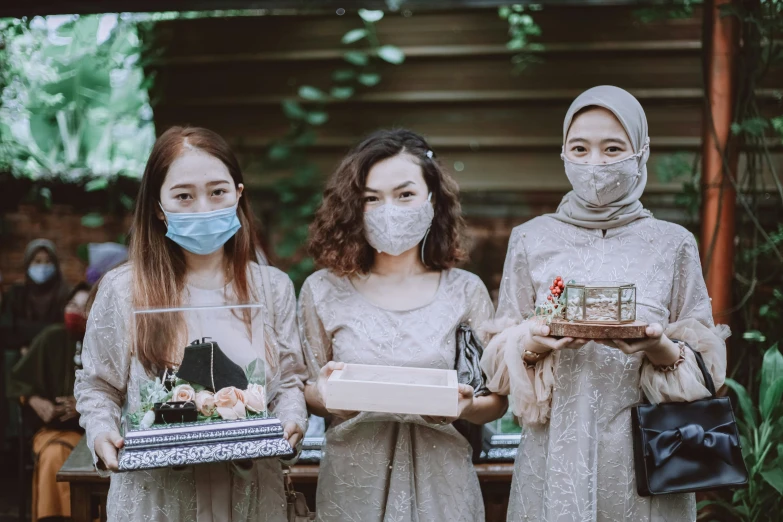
[212, 406]
[600, 302]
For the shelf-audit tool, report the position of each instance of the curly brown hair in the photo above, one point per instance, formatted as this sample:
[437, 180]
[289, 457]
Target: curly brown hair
[337, 240]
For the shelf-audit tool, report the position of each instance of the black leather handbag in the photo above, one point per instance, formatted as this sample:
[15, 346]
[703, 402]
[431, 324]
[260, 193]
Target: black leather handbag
[469, 352]
[683, 447]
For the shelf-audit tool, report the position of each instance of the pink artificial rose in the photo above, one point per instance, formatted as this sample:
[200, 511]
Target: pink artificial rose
[255, 398]
[205, 403]
[230, 403]
[183, 393]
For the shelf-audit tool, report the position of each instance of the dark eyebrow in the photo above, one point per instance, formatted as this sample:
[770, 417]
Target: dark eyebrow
[577, 140]
[189, 186]
[614, 140]
[398, 187]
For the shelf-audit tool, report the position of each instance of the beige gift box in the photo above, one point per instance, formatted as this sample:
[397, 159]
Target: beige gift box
[393, 389]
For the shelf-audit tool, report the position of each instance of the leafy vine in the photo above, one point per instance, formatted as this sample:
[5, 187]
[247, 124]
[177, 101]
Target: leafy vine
[300, 193]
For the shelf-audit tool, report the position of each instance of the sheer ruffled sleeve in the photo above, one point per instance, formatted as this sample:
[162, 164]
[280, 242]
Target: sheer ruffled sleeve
[503, 358]
[691, 321]
[315, 341]
[288, 403]
[101, 385]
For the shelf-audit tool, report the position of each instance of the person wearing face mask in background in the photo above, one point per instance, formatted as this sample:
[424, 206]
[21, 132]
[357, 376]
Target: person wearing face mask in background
[31, 306]
[388, 236]
[27, 309]
[43, 380]
[575, 396]
[192, 244]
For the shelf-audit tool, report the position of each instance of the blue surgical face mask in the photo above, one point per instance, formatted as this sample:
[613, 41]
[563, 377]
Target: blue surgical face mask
[202, 233]
[41, 273]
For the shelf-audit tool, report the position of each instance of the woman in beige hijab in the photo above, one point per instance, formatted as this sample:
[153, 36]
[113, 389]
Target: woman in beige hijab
[574, 396]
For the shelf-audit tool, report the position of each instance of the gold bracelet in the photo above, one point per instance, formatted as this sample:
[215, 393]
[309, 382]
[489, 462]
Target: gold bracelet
[535, 356]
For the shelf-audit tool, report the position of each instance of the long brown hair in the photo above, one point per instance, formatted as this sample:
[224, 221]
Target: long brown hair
[159, 264]
[337, 240]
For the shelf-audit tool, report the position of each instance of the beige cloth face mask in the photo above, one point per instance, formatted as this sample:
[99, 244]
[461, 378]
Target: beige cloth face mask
[395, 229]
[603, 184]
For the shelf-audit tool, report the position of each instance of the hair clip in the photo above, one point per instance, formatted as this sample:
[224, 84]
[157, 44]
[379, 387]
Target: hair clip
[429, 154]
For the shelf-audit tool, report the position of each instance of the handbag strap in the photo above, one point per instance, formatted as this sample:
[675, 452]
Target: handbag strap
[708, 382]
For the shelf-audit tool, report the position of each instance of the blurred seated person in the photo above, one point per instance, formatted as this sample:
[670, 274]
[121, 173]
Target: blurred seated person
[43, 380]
[30, 306]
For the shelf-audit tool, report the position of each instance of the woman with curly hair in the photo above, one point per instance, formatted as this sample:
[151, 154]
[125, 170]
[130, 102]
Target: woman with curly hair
[388, 236]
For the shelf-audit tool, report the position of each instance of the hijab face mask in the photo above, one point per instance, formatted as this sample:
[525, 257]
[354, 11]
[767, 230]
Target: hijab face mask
[395, 229]
[603, 184]
[607, 195]
[41, 274]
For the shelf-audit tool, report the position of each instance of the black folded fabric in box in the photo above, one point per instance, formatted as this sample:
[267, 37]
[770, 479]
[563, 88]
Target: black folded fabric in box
[204, 362]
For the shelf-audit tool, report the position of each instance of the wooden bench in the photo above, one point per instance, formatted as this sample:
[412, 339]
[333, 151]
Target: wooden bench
[89, 490]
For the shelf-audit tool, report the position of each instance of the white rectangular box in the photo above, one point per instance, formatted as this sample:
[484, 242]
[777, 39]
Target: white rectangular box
[393, 389]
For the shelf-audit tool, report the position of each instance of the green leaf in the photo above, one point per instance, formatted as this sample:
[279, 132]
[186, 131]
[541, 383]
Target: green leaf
[771, 369]
[354, 35]
[127, 202]
[342, 93]
[343, 75]
[311, 93]
[749, 413]
[771, 398]
[504, 11]
[96, 184]
[92, 220]
[754, 336]
[391, 54]
[46, 195]
[357, 58]
[317, 118]
[83, 252]
[774, 478]
[278, 152]
[293, 110]
[369, 79]
[370, 16]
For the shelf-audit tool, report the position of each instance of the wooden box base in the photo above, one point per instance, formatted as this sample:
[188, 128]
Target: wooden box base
[562, 328]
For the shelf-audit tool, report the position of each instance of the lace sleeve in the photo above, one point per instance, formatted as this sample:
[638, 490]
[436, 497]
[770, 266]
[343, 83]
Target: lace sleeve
[288, 402]
[315, 341]
[691, 316]
[101, 385]
[502, 361]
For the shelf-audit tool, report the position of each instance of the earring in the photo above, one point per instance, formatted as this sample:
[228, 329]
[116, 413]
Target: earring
[424, 242]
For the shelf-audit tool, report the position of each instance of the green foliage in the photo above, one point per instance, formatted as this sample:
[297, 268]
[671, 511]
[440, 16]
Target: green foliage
[300, 192]
[75, 103]
[680, 167]
[670, 10]
[761, 433]
[521, 29]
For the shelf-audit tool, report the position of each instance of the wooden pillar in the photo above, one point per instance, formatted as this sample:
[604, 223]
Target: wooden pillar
[719, 163]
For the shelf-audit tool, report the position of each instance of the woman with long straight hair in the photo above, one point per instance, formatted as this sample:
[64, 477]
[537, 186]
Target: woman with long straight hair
[388, 235]
[193, 243]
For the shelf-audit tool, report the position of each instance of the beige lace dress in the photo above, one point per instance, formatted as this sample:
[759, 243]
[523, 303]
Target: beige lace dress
[382, 467]
[575, 461]
[109, 385]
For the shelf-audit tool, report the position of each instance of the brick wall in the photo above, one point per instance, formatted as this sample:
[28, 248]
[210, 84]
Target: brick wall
[60, 224]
